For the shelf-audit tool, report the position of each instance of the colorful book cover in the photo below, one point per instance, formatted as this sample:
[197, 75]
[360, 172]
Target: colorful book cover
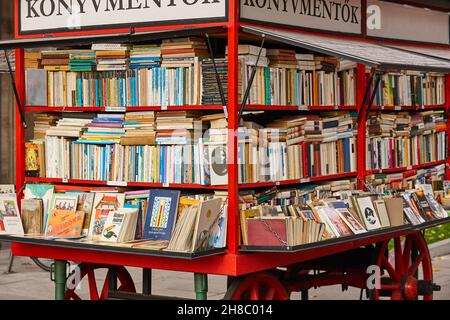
[10, 221]
[104, 203]
[161, 214]
[65, 223]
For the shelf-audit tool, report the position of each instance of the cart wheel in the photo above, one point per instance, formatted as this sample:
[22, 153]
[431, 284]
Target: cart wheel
[259, 286]
[86, 269]
[408, 273]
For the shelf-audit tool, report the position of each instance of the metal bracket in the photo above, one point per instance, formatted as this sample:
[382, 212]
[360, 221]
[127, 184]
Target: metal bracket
[219, 82]
[16, 92]
[366, 95]
[252, 78]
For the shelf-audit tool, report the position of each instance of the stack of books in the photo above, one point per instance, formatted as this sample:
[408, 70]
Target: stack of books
[330, 144]
[42, 122]
[145, 56]
[139, 128]
[33, 59]
[404, 140]
[282, 58]
[182, 52]
[56, 60]
[104, 129]
[112, 57]
[82, 61]
[58, 142]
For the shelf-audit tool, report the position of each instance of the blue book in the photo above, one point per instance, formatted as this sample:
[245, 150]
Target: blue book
[347, 154]
[161, 214]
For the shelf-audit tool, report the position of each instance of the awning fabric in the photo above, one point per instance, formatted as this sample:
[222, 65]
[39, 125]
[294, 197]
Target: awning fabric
[104, 38]
[443, 54]
[370, 54]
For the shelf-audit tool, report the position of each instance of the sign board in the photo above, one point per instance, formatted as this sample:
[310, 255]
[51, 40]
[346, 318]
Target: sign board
[43, 16]
[329, 15]
[400, 22]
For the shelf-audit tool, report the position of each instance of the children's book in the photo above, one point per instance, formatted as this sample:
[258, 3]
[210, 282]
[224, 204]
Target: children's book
[10, 221]
[104, 203]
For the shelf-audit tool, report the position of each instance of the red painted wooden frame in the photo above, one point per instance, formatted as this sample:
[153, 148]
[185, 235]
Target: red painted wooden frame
[232, 262]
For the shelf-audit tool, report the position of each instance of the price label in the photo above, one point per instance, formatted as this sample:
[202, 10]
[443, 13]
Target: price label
[117, 183]
[336, 107]
[409, 168]
[397, 108]
[382, 107]
[164, 107]
[65, 180]
[166, 185]
[277, 183]
[423, 107]
[115, 109]
[305, 180]
[303, 108]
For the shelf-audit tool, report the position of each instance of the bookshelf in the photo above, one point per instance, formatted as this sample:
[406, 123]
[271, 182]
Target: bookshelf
[233, 261]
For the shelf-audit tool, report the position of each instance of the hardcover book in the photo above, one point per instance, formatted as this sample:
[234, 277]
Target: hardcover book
[32, 216]
[161, 214]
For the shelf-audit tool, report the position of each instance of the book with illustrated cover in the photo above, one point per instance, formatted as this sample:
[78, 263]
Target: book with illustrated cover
[104, 203]
[347, 217]
[65, 224]
[85, 204]
[10, 221]
[7, 188]
[120, 226]
[161, 215]
[368, 213]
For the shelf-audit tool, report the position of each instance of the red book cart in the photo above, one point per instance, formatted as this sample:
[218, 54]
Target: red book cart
[254, 273]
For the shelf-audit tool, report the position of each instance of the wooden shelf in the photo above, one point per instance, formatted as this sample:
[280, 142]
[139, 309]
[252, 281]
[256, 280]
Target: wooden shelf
[401, 169]
[125, 184]
[297, 181]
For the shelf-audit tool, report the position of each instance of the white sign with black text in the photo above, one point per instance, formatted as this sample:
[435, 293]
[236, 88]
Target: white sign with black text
[39, 16]
[330, 15]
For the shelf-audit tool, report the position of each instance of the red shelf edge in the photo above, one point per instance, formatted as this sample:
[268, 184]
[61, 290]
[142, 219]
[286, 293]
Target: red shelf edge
[129, 184]
[401, 169]
[297, 181]
[127, 109]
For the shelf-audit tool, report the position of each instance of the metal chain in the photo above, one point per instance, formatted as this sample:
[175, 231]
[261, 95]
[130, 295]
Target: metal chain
[274, 232]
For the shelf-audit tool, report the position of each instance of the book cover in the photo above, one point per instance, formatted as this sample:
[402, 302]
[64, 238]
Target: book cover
[32, 216]
[161, 217]
[368, 213]
[65, 223]
[10, 221]
[267, 232]
[207, 219]
[104, 203]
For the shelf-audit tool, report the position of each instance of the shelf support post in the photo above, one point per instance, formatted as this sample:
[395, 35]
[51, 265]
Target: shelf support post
[201, 286]
[59, 276]
[447, 112]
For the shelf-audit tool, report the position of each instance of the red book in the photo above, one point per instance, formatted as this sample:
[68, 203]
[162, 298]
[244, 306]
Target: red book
[264, 232]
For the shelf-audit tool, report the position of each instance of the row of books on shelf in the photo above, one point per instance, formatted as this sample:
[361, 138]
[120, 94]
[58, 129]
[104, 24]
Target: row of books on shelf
[173, 147]
[411, 88]
[284, 77]
[348, 213]
[156, 219]
[403, 140]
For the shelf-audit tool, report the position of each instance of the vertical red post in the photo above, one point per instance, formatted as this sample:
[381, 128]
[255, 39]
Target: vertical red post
[233, 107]
[20, 130]
[447, 110]
[361, 142]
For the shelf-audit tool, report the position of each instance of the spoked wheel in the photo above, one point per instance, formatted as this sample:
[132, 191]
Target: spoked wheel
[124, 281]
[259, 286]
[406, 274]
